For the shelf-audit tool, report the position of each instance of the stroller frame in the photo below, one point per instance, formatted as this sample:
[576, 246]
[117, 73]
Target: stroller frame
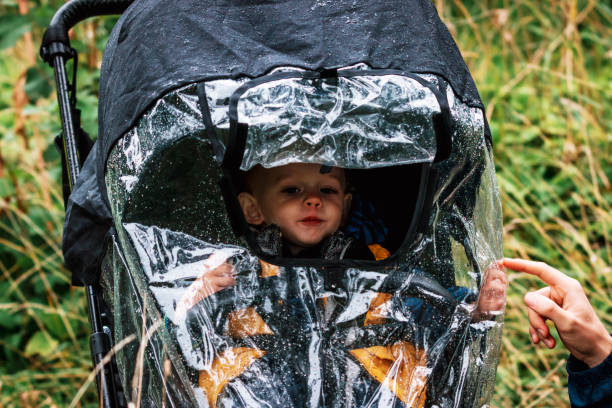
[56, 51]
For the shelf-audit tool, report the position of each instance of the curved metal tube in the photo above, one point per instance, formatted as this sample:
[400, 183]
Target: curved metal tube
[75, 11]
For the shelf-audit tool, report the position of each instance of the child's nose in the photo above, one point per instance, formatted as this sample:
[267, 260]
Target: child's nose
[313, 200]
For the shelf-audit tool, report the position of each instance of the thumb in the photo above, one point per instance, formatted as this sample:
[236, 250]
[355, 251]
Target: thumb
[545, 307]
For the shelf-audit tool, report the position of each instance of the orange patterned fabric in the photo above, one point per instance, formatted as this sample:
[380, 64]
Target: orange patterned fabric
[378, 309]
[379, 252]
[268, 270]
[229, 365]
[400, 367]
[246, 322]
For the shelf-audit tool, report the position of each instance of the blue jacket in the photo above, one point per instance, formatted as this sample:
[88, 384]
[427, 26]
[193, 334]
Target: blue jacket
[590, 387]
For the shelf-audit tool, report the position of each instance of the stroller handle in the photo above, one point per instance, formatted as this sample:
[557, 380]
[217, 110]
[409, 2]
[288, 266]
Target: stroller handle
[69, 15]
[75, 11]
[55, 50]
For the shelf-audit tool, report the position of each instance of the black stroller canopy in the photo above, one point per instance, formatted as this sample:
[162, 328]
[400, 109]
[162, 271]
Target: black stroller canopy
[158, 46]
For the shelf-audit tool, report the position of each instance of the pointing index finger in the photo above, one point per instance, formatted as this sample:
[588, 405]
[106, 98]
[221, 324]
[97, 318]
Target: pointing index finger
[547, 273]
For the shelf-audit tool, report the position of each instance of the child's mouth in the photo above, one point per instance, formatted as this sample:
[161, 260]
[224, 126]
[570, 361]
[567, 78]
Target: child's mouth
[311, 221]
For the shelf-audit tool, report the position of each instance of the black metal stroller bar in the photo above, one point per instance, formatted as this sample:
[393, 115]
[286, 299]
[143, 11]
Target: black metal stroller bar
[56, 51]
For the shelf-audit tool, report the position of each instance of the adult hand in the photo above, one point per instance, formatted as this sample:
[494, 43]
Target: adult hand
[564, 302]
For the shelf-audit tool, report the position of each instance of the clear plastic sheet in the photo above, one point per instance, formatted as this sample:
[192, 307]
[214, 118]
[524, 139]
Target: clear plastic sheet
[138, 324]
[364, 121]
[296, 336]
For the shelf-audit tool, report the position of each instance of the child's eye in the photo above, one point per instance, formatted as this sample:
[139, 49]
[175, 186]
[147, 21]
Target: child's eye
[290, 190]
[329, 190]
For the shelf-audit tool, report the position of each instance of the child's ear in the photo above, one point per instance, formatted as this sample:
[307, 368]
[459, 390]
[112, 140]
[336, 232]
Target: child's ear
[346, 207]
[250, 209]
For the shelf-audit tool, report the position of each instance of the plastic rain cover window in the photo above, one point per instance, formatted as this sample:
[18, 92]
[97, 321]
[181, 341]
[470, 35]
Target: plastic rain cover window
[295, 336]
[363, 121]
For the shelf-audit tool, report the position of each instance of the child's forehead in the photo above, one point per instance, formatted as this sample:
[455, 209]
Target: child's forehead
[303, 170]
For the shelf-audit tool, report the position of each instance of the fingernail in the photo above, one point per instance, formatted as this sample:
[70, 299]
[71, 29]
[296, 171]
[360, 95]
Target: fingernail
[542, 334]
[534, 338]
[531, 300]
[549, 342]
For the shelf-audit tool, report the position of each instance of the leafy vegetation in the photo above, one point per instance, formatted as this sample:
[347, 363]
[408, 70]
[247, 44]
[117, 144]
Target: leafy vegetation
[544, 70]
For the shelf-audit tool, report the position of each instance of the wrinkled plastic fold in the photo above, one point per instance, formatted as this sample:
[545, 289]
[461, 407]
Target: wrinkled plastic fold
[423, 331]
[361, 121]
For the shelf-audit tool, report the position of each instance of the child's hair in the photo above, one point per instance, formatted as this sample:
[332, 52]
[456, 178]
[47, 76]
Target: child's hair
[241, 182]
[244, 181]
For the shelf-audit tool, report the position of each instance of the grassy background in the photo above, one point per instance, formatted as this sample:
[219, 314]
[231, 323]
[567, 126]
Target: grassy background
[544, 70]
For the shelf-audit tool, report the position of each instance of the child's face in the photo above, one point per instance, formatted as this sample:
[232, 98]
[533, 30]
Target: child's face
[306, 205]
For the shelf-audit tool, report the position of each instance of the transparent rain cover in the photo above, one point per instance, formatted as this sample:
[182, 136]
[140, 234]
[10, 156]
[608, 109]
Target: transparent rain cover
[295, 336]
[362, 121]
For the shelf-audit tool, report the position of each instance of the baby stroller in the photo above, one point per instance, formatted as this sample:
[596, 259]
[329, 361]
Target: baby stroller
[192, 95]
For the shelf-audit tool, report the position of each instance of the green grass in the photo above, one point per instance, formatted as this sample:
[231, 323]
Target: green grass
[544, 71]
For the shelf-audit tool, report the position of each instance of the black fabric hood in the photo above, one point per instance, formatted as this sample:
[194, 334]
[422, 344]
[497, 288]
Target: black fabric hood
[160, 45]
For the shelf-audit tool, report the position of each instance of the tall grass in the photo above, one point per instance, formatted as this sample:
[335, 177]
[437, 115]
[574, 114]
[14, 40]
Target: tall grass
[544, 70]
[44, 351]
[545, 75]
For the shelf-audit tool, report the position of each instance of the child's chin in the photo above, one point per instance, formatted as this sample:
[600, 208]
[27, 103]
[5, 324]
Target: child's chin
[316, 239]
[308, 243]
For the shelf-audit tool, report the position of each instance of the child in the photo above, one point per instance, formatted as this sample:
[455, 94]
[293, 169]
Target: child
[297, 210]
[304, 205]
